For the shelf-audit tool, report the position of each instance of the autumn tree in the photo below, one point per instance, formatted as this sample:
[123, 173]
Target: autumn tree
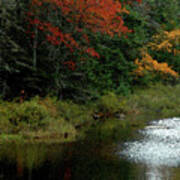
[66, 22]
[50, 39]
[64, 28]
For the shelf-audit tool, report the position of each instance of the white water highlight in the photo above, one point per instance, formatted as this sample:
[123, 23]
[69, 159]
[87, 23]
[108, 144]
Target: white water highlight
[158, 150]
[160, 145]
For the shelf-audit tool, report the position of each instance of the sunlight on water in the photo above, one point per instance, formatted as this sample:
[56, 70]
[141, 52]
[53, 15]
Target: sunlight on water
[158, 150]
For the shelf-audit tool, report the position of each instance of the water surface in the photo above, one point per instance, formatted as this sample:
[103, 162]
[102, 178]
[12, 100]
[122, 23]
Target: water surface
[157, 151]
[155, 155]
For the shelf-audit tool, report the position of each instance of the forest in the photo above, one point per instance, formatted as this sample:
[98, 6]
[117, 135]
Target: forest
[68, 67]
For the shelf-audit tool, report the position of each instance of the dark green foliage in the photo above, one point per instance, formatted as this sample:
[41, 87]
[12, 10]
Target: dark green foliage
[35, 70]
[154, 15]
[150, 18]
[170, 58]
[113, 71]
[165, 13]
[15, 61]
[42, 71]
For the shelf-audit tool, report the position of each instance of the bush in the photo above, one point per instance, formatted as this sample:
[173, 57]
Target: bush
[158, 101]
[111, 103]
[74, 113]
[29, 114]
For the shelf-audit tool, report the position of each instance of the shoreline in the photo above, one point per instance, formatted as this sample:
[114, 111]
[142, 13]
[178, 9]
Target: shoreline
[109, 119]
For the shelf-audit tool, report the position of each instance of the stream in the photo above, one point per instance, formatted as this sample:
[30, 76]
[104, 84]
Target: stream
[154, 154]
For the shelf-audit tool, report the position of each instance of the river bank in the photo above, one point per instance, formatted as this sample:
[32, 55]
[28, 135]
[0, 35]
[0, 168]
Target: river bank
[111, 117]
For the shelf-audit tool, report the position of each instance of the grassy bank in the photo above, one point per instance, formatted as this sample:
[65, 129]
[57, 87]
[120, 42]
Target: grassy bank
[110, 117]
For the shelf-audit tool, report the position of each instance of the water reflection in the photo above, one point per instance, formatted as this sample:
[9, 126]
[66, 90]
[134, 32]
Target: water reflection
[32, 161]
[152, 158]
[157, 173]
[67, 162]
[158, 151]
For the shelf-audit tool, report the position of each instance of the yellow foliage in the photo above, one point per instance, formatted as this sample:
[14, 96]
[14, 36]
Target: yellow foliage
[167, 41]
[148, 64]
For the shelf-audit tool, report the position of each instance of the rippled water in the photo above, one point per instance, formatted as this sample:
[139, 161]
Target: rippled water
[158, 150]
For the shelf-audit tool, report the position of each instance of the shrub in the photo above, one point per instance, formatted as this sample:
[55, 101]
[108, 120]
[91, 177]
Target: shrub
[111, 103]
[29, 114]
[74, 113]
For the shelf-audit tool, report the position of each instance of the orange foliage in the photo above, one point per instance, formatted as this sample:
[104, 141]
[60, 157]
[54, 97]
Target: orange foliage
[148, 64]
[96, 15]
[165, 41]
[103, 16]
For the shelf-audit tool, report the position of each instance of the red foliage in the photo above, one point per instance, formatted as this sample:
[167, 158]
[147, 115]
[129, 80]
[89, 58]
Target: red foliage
[98, 16]
[92, 52]
[71, 64]
[102, 16]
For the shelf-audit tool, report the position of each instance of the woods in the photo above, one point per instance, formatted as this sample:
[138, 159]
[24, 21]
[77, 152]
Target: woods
[82, 49]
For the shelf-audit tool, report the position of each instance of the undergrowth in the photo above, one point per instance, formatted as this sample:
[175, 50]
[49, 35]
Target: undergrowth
[112, 116]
